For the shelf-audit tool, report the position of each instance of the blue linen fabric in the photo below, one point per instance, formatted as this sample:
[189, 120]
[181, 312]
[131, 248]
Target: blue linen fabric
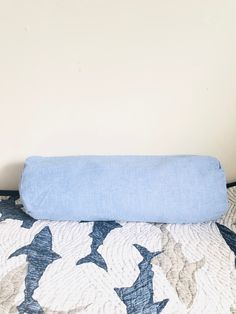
[165, 189]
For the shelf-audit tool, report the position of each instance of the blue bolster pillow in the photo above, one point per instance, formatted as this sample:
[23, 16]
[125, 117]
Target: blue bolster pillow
[165, 189]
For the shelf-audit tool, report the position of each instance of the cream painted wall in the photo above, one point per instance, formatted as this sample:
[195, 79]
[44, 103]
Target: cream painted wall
[116, 77]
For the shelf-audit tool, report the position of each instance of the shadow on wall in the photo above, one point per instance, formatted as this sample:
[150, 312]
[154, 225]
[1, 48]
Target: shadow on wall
[10, 176]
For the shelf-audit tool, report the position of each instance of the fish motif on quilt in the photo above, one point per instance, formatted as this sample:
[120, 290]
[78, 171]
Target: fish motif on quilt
[139, 297]
[100, 231]
[229, 237]
[178, 270]
[10, 286]
[11, 209]
[39, 255]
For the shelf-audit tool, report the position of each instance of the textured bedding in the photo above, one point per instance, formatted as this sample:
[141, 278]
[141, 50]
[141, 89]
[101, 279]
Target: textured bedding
[116, 267]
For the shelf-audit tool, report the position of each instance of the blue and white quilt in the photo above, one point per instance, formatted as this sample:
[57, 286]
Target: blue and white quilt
[115, 267]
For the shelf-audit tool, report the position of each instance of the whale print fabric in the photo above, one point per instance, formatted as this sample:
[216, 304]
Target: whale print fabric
[114, 267]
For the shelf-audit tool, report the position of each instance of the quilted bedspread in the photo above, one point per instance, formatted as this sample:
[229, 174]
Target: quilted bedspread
[116, 267]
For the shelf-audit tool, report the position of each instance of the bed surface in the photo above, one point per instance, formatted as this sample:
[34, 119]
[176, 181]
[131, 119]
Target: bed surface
[116, 267]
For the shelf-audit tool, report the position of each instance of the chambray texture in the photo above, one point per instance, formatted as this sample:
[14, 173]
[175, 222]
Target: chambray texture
[165, 189]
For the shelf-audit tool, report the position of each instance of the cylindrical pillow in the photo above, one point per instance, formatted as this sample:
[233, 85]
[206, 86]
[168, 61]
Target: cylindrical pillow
[165, 189]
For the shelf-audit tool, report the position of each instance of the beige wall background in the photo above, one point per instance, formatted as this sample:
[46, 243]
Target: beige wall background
[116, 77]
